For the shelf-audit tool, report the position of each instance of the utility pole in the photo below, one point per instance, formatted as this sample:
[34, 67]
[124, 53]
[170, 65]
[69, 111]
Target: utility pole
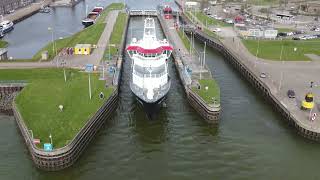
[281, 70]
[89, 85]
[204, 53]
[257, 53]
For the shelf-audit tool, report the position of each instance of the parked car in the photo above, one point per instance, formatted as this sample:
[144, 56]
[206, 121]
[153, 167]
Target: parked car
[216, 30]
[295, 38]
[282, 34]
[219, 18]
[263, 75]
[290, 33]
[299, 32]
[229, 21]
[291, 93]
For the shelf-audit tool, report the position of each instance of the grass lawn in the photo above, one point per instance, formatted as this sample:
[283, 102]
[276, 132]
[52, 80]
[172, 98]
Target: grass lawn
[3, 44]
[38, 102]
[263, 2]
[206, 20]
[213, 91]
[285, 30]
[271, 49]
[116, 35]
[184, 39]
[90, 35]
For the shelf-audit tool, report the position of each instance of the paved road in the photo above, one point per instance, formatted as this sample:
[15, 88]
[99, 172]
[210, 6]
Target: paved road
[282, 76]
[19, 13]
[73, 61]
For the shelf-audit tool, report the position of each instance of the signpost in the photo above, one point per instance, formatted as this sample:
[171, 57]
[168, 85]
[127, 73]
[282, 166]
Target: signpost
[47, 147]
[89, 69]
[113, 45]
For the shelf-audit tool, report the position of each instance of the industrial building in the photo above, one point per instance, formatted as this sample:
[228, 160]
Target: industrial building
[8, 5]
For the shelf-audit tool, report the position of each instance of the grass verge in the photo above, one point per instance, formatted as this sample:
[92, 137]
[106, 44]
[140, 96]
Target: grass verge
[3, 44]
[184, 39]
[213, 92]
[206, 20]
[38, 102]
[271, 49]
[116, 36]
[285, 30]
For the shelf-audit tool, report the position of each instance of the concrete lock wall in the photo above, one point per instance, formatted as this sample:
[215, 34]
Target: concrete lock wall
[210, 114]
[256, 82]
[66, 156]
[8, 92]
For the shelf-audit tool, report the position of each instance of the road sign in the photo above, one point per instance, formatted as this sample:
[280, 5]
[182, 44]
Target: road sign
[89, 68]
[47, 147]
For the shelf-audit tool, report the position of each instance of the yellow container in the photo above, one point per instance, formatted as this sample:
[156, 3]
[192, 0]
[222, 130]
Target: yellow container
[82, 49]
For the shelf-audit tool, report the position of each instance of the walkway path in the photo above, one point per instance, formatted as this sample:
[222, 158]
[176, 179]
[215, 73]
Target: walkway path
[190, 60]
[79, 61]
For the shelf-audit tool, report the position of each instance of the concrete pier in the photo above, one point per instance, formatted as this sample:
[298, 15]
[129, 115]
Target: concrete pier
[185, 59]
[25, 12]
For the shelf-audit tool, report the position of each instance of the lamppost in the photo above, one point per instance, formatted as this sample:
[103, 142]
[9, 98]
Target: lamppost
[50, 136]
[54, 49]
[63, 64]
[281, 76]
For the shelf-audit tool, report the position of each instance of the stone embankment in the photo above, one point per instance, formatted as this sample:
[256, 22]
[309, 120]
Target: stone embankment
[66, 156]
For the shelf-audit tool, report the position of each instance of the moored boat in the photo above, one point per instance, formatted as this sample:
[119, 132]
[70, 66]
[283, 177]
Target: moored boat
[150, 81]
[6, 26]
[92, 16]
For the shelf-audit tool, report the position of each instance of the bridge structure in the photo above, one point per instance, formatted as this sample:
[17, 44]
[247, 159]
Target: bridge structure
[143, 12]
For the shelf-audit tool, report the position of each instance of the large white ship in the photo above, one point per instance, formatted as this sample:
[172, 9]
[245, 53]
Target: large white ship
[150, 80]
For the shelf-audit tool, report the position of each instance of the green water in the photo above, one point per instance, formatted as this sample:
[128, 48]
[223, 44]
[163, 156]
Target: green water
[251, 141]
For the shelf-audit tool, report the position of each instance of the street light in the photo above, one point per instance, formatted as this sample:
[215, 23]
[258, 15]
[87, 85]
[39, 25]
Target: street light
[63, 63]
[54, 48]
[50, 136]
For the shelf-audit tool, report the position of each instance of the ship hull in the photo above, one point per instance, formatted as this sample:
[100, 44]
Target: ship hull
[8, 29]
[87, 23]
[142, 99]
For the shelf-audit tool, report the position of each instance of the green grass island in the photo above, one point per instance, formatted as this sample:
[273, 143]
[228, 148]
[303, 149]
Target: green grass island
[46, 89]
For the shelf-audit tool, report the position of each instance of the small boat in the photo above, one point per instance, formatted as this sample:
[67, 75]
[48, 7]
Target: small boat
[6, 26]
[1, 33]
[92, 16]
[45, 10]
[167, 11]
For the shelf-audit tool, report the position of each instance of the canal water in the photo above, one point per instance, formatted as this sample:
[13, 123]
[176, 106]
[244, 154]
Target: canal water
[251, 141]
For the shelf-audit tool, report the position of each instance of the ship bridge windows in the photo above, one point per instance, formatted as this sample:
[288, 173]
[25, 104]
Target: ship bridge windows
[149, 70]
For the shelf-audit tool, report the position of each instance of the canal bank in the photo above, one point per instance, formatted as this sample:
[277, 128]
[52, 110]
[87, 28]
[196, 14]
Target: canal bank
[249, 142]
[25, 12]
[204, 98]
[266, 86]
[63, 156]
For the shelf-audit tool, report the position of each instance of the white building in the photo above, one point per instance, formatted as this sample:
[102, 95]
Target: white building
[257, 32]
[192, 5]
[270, 33]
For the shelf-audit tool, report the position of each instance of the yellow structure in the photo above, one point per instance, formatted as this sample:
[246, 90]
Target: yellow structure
[82, 49]
[308, 103]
